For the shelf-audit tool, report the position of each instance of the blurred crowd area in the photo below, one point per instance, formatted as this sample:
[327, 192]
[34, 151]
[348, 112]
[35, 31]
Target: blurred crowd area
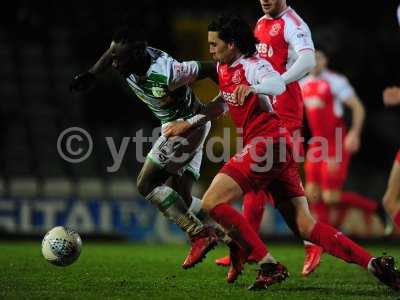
[43, 44]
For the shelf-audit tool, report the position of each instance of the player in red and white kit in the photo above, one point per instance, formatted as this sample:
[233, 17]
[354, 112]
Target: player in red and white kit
[265, 163]
[391, 199]
[326, 94]
[285, 41]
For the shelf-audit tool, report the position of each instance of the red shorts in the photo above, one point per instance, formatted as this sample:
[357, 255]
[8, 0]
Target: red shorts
[296, 133]
[329, 173]
[260, 167]
[398, 156]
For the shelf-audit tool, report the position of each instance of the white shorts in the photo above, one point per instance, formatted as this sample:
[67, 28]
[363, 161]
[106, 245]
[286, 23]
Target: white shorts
[178, 154]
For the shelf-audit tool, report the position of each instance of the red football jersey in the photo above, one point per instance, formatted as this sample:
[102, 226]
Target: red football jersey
[323, 98]
[255, 119]
[280, 39]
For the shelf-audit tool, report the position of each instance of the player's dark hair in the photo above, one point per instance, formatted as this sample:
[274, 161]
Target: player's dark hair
[135, 39]
[132, 36]
[323, 48]
[233, 29]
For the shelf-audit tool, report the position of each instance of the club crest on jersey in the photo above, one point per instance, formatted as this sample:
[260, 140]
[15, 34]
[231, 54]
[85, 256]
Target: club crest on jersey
[274, 31]
[158, 92]
[270, 52]
[237, 77]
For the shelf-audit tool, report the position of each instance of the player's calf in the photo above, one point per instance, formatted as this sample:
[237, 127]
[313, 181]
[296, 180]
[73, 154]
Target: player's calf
[171, 204]
[390, 203]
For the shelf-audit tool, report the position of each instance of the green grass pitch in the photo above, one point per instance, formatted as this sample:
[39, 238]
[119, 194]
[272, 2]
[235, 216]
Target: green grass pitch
[131, 271]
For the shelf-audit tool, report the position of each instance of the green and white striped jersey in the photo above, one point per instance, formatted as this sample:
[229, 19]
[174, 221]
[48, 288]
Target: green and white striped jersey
[165, 87]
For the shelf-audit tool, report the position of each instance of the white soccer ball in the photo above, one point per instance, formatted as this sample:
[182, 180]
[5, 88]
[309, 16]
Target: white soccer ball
[61, 246]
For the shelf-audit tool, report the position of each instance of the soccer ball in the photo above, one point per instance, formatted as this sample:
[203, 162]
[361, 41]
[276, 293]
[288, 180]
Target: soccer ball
[61, 246]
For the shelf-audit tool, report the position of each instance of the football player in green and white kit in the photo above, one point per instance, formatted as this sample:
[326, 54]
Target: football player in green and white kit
[173, 164]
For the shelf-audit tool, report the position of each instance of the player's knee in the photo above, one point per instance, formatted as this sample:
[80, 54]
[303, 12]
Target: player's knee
[389, 201]
[210, 200]
[331, 197]
[207, 203]
[313, 192]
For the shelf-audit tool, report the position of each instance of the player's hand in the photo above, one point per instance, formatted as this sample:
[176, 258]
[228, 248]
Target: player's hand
[391, 96]
[176, 128]
[242, 92]
[82, 82]
[352, 141]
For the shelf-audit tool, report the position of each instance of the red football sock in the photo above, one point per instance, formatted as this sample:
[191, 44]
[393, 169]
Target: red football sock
[396, 219]
[239, 229]
[356, 200]
[320, 211]
[253, 209]
[337, 244]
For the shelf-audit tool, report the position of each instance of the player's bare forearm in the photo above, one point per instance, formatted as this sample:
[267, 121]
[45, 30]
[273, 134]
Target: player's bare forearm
[208, 69]
[213, 110]
[103, 63]
[352, 141]
[358, 114]
[86, 80]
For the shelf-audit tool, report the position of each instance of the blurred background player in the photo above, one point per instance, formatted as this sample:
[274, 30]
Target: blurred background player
[285, 41]
[173, 164]
[391, 199]
[244, 80]
[326, 94]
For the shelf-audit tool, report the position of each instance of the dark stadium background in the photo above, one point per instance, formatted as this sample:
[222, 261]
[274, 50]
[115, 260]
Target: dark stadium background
[43, 44]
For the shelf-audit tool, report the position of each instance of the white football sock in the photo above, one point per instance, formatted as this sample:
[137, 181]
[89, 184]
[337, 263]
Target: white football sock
[195, 206]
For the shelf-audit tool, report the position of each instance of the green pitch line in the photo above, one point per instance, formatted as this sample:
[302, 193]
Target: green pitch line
[129, 271]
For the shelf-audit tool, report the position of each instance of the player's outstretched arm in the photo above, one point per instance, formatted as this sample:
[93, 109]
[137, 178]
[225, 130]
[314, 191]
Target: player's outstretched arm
[208, 69]
[213, 110]
[103, 63]
[353, 137]
[84, 81]
[209, 112]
